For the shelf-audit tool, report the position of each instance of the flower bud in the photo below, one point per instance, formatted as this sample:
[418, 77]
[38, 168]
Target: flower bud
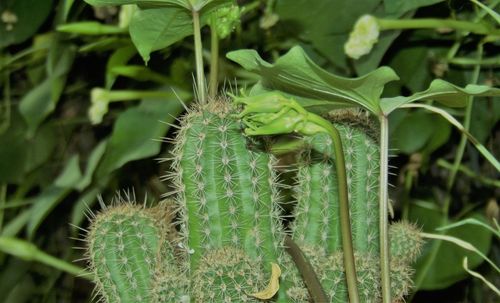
[362, 38]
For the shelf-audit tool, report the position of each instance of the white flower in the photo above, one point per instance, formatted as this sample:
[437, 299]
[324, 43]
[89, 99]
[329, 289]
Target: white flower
[99, 105]
[363, 37]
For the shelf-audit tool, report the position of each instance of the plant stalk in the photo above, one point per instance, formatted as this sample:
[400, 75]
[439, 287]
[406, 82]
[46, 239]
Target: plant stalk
[214, 63]
[198, 49]
[384, 209]
[472, 27]
[3, 198]
[306, 271]
[345, 224]
[129, 95]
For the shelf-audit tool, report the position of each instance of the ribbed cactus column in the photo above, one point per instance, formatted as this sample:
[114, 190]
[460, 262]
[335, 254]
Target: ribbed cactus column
[317, 229]
[126, 245]
[226, 188]
[317, 209]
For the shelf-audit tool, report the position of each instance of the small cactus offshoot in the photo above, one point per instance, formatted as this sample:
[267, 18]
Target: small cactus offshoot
[126, 244]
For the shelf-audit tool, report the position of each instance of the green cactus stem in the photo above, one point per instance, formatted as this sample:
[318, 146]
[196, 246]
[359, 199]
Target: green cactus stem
[227, 191]
[124, 244]
[274, 114]
[405, 241]
[228, 274]
[331, 273]
[317, 215]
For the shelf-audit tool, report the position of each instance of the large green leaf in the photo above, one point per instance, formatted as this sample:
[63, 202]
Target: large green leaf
[119, 57]
[159, 27]
[420, 121]
[156, 28]
[28, 16]
[21, 154]
[182, 3]
[196, 5]
[71, 175]
[295, 73]
[432, 132]
[443, 92]
[92, 162]
[37, 104]
[140, 73]
[43, 204]
[446, 269]
[90, 28]
[325, 24]
[135, 130]
[399, 7]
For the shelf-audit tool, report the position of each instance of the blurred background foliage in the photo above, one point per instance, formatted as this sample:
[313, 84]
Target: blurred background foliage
[81, 115]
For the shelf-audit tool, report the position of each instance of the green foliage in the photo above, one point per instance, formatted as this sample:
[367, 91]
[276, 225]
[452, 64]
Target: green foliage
[157, 28]
[21, 19]
[55, 161]
[446, 268]
[297, 74]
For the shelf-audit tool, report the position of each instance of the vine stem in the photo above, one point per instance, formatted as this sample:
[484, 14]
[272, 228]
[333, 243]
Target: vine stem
[198, 51]
[477, 28]
[384, 209]
[3, 199]
[345, 222]
[214, 63]
[306, 270]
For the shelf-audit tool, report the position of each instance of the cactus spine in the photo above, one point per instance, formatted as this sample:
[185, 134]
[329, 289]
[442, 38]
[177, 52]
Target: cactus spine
[226, 189]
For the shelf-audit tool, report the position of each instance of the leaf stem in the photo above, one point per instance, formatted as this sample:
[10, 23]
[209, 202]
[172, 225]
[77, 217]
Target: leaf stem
[306, 271]
[3, 198]
[469, 173]
[384, 209]
[476, 28]
[198, 49]
[214, 63]
[30, 252]
[345, 224]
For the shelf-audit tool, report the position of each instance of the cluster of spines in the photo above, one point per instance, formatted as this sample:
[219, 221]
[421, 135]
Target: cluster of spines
[330, 271]
[126, 245]
[227, 275]
[317, 216]
[226, 188]
[317, 224]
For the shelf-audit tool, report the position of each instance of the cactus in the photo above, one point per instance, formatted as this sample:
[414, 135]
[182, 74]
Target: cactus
[126, 245]
[226, 189]
[405, 241]
[330, 271]
[318, 207]
[317, 228]
[227, 275]
[227, 225]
